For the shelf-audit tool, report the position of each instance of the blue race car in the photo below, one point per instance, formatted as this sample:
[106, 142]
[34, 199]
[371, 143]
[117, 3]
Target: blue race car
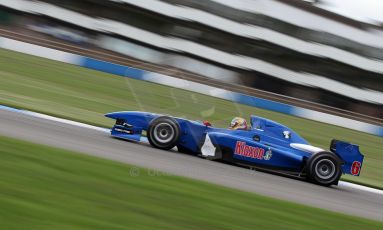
[265, 144]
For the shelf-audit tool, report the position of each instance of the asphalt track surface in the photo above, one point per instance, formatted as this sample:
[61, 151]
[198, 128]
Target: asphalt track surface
[98, 143]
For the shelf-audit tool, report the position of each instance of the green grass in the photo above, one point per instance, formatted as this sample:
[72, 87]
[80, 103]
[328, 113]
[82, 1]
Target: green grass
[48, 188]
[85, 95]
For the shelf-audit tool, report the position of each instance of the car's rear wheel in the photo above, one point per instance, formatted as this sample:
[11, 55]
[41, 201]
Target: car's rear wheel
[324, 168]
[163, 132]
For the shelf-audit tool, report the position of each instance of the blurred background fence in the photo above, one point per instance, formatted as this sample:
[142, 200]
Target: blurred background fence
[287, 51]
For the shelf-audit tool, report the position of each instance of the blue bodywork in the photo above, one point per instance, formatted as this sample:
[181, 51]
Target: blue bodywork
[266, 144]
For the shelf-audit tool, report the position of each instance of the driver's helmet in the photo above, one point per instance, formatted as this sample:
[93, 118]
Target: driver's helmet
[238, 123]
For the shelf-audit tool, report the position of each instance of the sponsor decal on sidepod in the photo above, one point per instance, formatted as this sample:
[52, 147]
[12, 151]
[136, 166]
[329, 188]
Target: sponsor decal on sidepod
[253, 152]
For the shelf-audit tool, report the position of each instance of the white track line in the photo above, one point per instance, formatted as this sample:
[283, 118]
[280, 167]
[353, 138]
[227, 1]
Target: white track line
[105, 130]
[360, 187]
[65, 121]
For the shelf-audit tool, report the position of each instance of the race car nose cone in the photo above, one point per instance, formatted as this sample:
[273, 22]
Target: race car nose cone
[114, 115]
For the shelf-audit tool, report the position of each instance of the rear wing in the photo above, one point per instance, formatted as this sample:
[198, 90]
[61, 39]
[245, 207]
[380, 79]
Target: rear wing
[350, 155]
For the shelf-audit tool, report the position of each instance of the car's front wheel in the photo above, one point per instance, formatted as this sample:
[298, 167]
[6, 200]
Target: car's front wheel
[163, 132]
[324, 168]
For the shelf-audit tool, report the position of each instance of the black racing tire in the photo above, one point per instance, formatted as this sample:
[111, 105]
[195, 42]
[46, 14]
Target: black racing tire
[163, 132]
[324, 168]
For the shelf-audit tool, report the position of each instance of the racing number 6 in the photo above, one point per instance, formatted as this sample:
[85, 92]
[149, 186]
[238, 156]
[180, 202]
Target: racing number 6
[355, 168]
